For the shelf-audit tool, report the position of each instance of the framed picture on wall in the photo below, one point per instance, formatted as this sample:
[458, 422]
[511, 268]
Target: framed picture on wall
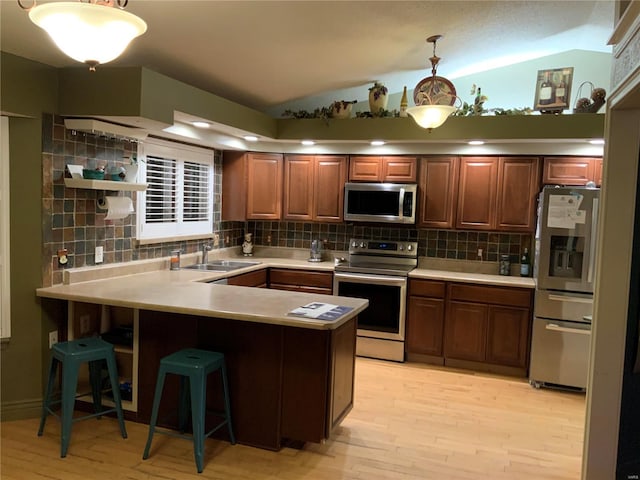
[553, 90]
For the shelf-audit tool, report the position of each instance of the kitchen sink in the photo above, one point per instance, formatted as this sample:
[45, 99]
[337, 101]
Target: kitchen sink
[220, 265]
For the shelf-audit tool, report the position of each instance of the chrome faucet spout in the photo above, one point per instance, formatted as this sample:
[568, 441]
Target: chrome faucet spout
[206, 248]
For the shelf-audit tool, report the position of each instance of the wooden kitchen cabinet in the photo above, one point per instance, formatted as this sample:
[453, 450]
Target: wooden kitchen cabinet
[488, 328]
[498, 193]
[438, 190]
[251, 186]
[382, 169]
[314, 187]
[425, 321]
[301, 280]
[250, 279]
[518, 187]
[477, 193]
[572, 170]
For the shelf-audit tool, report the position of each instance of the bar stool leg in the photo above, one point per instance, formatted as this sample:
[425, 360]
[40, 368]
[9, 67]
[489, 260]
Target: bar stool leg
[154, 410]
[95, 378]
[115, 389]
[183, 404]
[198, 399]
[53, 369]
[227, 403]
[69, 382]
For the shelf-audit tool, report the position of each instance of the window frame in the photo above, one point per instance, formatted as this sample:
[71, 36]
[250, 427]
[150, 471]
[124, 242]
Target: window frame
[148, 232]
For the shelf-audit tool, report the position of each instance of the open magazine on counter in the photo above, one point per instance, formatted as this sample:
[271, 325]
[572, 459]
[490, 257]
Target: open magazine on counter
[320, 311]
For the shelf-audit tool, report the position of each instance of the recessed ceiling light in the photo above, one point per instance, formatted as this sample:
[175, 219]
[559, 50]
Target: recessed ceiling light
[251, 138]
[597, 141]
[308, 142]
[476, 142]
[377, 143]
[201, 124]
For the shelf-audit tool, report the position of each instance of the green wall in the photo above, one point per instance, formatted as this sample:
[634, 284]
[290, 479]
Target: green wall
[26, 88]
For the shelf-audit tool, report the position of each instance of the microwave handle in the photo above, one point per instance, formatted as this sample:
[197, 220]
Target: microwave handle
[592, 240]
[401, 203]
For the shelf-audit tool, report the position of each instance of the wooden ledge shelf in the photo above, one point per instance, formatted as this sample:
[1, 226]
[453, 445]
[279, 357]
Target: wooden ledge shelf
[104, 184]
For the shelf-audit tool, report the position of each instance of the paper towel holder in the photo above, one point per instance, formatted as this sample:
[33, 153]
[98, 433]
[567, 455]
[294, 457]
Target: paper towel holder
[101, 201]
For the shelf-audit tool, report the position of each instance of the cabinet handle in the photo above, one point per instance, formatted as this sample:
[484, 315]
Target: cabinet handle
[561, 298]
[557, 328]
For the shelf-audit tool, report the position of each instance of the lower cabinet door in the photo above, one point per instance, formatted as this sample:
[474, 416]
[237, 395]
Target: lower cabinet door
[508, 336]
[466, 331]
[425, 323]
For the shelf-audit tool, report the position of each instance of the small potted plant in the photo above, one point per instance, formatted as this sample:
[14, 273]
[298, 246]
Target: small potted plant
[378, 98]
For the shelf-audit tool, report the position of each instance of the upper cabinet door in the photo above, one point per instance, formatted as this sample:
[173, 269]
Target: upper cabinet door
[330, 176]
[477, 193]
[365, 169]
[298, 187]
[438, 191]
[399, 169]
[264, 186]
[518, 186]
[568, 170]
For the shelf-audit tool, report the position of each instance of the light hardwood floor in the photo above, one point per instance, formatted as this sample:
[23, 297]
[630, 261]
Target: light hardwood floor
[410, 422]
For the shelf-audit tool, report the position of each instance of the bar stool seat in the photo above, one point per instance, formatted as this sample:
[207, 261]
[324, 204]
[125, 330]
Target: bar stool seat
[71, 355]
[193, 366]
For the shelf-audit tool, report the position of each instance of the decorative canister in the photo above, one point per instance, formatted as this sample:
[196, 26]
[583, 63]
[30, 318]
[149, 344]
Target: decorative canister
[174, 263]
[505, 265]
[378, 99]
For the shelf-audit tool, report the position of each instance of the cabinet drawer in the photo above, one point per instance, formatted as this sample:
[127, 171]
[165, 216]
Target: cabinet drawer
[426, 288]
[251, 279]
[299, 277]
[509, 296]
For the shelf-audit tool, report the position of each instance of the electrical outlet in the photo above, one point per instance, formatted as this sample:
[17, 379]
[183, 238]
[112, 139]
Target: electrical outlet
[480, 253]
[269, 239]
[227, 240]
[99, 255]
[53, 338]
[216, 240]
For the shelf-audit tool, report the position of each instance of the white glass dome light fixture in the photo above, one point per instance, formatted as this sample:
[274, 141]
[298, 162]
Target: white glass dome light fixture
[93, 32]
[434, 96]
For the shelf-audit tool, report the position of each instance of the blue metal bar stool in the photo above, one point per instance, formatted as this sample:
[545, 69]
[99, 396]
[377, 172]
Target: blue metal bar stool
[193, 366]
[71, 355]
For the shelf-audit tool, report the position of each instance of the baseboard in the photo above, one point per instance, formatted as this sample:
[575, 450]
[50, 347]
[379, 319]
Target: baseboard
[20, 410]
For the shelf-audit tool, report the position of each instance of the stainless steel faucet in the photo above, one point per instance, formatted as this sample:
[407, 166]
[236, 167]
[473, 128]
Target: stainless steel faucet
[206, 248]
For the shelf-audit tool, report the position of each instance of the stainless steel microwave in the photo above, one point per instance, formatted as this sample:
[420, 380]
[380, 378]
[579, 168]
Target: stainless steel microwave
[380, 202]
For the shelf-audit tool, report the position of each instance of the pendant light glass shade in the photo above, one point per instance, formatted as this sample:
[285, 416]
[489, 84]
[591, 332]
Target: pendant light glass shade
[431, 116]
[87, 32]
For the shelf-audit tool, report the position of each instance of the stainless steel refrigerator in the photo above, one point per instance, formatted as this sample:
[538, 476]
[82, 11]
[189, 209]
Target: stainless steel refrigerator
[565, 270]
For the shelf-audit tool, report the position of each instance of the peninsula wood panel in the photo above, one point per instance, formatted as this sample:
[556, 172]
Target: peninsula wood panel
[477, 193]
[438, 190]
[518, 187]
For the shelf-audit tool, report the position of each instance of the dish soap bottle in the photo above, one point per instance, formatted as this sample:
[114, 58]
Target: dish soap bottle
[525, 263]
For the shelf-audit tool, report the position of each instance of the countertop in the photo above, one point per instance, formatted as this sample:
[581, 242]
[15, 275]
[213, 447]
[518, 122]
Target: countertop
[480, 278]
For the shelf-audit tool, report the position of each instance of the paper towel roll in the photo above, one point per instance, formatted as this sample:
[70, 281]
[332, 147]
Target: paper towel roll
[118, 207]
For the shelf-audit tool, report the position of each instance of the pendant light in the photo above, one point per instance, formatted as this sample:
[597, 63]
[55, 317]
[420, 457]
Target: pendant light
[93, 32]
[434, 96]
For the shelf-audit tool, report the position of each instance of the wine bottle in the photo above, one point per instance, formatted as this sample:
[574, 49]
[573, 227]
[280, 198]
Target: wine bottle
[404, 103]
[546, 91]
[525, 263]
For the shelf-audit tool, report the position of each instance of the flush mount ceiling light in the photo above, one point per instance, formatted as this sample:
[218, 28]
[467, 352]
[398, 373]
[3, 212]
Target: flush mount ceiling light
[200, 124]
[597, 141]
[308, 142]
[475, 142]
[93, 32]
[377, 143]
[434, 96]
[251, 138]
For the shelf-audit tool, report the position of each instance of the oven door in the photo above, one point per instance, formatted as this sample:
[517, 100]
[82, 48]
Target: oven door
[385, 316]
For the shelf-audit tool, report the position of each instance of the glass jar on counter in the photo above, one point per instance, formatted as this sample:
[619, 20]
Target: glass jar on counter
[505, 265]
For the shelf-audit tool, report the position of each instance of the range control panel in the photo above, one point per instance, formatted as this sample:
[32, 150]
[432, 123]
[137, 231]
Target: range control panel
[395, 248]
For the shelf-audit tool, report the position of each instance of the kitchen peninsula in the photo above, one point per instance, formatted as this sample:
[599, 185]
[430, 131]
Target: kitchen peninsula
[291, 379]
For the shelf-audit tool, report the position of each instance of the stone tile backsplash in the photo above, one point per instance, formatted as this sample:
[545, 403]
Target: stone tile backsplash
[73, 221]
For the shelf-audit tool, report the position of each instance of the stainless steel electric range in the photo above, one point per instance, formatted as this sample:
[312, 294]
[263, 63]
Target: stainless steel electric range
[378, 271]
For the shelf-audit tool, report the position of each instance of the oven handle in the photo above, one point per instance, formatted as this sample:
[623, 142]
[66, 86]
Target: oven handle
[374, 279]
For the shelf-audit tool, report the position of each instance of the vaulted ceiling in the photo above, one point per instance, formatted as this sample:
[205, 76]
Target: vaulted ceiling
[267, 54]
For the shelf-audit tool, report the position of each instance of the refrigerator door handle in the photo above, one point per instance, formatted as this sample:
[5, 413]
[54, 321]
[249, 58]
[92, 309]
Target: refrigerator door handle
[557, 328]
[592, 240]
